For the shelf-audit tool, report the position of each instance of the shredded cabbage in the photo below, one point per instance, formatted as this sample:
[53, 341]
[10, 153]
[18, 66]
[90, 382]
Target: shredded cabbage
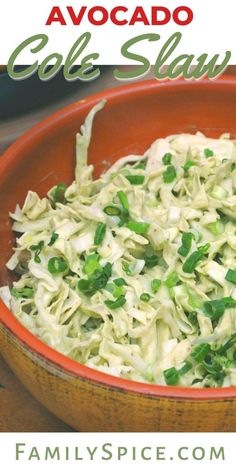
[134, 274]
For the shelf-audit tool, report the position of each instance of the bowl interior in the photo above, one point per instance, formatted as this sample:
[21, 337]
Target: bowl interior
[132, 119]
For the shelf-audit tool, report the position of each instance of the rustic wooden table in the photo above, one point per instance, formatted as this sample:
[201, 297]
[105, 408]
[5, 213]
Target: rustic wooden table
[19, 411]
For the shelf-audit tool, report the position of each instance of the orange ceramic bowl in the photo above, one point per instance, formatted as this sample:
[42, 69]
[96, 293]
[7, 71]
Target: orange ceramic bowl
[134, 116]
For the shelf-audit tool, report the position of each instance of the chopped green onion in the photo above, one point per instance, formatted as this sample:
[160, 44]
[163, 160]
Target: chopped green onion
[172, 280]
[98, 280]
[107, 269]
[208, 152]
[186, 368]
[186, 244]
[100, 233]
[151, 261]
[112, 210]
[231, 276]
[200, 352]
[155, 285]
[192, 317]
[188, 164]
[25, 292]
[115, 290]
[86, 287]
[214, 365]
[37, 248]
[91, 264]
[57, 265]
[219, 192]
[169, 174]
[135, 179]
[145, 297]
[192, 261]
[138, 226]
[53, 239]
[167, 158]
[204, 249]
[113, 304]
[216, 228]
[58, 193]
[223, 349]
[120, 282]
[229, 302]
[126, 268]
[124, 201]
[171, 376]
[214, 309]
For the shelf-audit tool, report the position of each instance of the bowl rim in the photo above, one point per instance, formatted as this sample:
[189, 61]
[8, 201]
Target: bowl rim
[34, 344]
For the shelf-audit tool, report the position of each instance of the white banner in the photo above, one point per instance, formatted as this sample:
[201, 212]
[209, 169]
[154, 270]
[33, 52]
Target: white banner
[90, 452]
[211, 29]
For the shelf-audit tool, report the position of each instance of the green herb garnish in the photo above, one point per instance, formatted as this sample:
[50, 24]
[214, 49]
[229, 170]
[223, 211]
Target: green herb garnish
[230, 343]
[188, 165]
[114, 289]
[205, 248]
[186, 244]
[216, 308]
[151, 261]
[155, 285]
[91, 264]
[113, 304]
[169, 174]
[53, 239]
[192, 317]
[124, 201]
[186, 368]
[58, 193]
[138, 226]
[56, 265]
[197, 256]
[145, 297]
[200, 352]
[97, 281]
[171, 376]
[167, 158]
[135, 179]
[231, 276]
[112, 210]
[100, 233]
[208, 152]
[37, 248]
[120, 282]
[172, 280]
[126, 269]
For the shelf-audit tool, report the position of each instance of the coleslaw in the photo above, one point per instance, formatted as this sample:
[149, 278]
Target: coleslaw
[134, 274]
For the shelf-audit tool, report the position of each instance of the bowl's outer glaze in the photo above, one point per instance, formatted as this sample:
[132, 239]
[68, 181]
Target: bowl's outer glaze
[134, 116]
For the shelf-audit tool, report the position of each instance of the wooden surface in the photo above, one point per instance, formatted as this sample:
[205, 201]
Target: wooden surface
[19, 411]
